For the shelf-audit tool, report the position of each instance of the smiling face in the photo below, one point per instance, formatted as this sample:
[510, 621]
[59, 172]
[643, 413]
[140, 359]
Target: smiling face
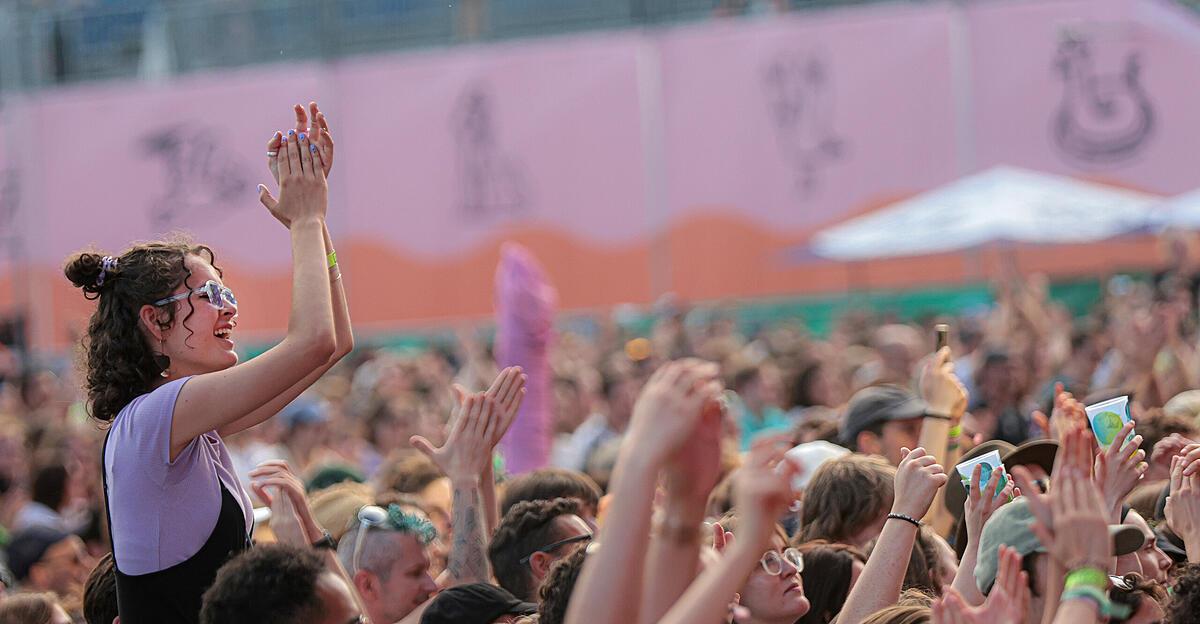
[199, 340]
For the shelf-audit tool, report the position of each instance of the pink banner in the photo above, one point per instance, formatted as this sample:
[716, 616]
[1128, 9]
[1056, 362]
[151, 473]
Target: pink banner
[693, 159]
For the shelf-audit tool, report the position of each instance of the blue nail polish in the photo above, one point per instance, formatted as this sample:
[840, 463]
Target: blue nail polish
[302, 136]
[283, 140]
[312, 148]
[292, 132]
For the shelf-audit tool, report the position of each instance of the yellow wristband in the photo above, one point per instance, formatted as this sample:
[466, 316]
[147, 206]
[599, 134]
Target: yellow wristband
[332, 258]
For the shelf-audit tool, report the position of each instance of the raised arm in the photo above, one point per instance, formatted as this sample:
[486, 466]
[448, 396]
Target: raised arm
[674, 557]
[941, 428]
[664, 417]
[762, 494]
[343, 333]
[215, 400]
[917, 481]
[979, 506]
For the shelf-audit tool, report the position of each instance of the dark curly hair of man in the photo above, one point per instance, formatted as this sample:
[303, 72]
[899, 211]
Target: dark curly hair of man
[525, 528]
[549, 484]
[271, 584]
[556, 590]
[1185, 602]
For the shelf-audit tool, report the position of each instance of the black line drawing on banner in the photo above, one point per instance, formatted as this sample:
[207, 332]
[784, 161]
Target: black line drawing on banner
[10, 203]
[1103, 118]
[203, 182]
[800, 98]
[491, 181]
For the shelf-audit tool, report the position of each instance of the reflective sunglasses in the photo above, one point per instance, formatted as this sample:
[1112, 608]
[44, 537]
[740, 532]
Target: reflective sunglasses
[369, 516]
[772, 562]
[216, 294]
[586, 537]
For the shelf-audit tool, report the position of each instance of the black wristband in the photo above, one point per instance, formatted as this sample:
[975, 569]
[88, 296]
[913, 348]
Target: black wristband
[326, 542]
[906, 518]
[936, 416]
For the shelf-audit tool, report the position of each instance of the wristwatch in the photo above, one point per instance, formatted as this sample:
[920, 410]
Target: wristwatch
[326, 541]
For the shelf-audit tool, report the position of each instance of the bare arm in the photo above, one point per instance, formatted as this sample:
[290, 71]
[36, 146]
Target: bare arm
[310, 339]
[343, 339]
[917, 480]
[664, 417]
[468, 561]
[674, 557]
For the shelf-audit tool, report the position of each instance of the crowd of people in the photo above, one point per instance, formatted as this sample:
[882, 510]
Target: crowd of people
[704, 472]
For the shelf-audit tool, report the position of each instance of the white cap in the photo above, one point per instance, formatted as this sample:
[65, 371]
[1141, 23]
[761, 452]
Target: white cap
[809, 456]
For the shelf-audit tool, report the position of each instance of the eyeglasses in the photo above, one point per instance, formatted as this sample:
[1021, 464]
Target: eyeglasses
[216, 294]
[772, 562]
[586, 537]
[369, 516]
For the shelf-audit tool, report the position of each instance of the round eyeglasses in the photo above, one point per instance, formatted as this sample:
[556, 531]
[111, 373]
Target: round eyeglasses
[772, 562]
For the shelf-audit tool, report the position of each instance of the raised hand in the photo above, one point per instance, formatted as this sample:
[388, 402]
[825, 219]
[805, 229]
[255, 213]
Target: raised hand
[941, 388]
[670, 407]
[468, 448]
[917, 481]
[1119, 469]
[981, 503]
[1007, 603]
[506, 392]
[762, 492]
[692, 472]
[319, 148]
[1078, 536]
[303, 192]
[1183, 507]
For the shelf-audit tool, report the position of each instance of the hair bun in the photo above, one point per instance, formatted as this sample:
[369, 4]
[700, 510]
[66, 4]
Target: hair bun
[83, 269]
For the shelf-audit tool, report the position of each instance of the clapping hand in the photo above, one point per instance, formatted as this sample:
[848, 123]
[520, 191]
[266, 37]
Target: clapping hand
[1007, 603]
[670, 407]
[317, 143]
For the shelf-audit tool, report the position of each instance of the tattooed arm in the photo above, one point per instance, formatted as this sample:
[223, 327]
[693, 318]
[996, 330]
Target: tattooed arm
[468, 552]
[462, 458]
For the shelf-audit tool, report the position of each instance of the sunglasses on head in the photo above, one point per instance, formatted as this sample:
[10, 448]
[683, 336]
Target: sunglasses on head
[217, 295]
[368, 516]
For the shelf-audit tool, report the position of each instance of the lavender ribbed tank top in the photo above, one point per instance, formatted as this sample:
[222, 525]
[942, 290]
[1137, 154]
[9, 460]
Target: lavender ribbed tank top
[163, 511]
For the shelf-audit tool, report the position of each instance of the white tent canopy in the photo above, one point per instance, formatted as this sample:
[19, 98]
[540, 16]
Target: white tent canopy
[1000, 204]
[1179, 212]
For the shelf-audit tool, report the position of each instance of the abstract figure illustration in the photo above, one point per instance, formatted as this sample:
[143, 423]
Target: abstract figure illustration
[1103, 118]
[800, 97]
[202, 181]
[490, 180]
[10, 202]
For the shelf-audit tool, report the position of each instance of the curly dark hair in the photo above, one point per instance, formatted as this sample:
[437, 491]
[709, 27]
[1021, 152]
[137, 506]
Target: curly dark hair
[272, 584]
[119, 360]
[525, 528]
[100, 593]
[549, 484]
[1185, 603]
[555, 592]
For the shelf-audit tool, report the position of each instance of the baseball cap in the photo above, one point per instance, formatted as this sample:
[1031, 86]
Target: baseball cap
[877, 404]
[1010, 526]
[28, 546]
[474, 603]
